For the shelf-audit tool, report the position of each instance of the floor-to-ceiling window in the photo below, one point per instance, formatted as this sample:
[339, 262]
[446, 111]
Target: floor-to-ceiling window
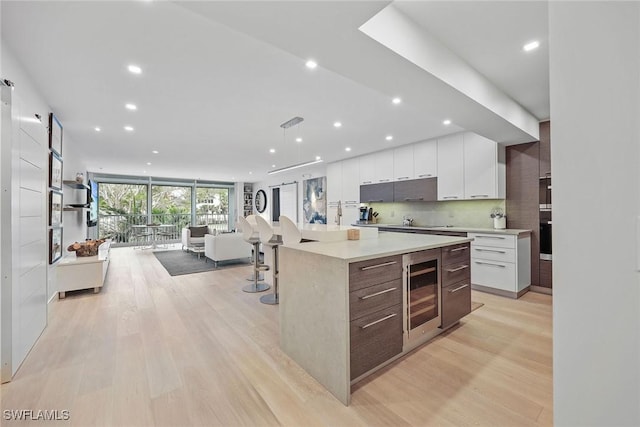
[119, 207]
[212, 207]
[126, 201]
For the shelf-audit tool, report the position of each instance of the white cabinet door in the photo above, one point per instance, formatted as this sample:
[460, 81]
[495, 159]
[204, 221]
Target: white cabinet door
[451, 167]
[367, 169]
[403, 163]
[351, 183]
[383, 166]
[480, 167]
[334, 182]
[425, 159]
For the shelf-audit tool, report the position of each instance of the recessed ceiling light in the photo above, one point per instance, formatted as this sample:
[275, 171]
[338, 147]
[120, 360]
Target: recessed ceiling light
[128, 128]
[134, 69]
[531, 46]
[318, 157]
[446, 122]
[155, 151]
[250, 173]
[144, 171]
[298, 139]
[273, 166]
[388, 137]
[311, 64]
[148, 163]
[396, 100]
[272, 150]
[337, 124]
[347, 149]
[97, 128]
[132, 107]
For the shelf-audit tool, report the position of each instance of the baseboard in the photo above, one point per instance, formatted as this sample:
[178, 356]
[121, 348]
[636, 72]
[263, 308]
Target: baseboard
[541, 290]
[500, 292]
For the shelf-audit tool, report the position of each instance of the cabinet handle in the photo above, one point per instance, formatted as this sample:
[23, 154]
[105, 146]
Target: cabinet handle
[402, 177]
[378, 321]
[450, 197]
[351, 201]
[371, 201]
[491, 250]
[384, 264]
[476, 196]
[463, 248]
[383, 180]
[458, 288]
[490, 237]
[378, 293]
[453, 270]
[366, 182]
[424, 175]
[490, 263]
[407, 199]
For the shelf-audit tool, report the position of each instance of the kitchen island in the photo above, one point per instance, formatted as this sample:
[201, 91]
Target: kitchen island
[345, 306]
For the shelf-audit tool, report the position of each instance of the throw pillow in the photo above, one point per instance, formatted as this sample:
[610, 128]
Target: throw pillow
[199, 231]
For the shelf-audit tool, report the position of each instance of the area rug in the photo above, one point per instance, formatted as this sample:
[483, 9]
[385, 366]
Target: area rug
[476, 305]
[179, 262]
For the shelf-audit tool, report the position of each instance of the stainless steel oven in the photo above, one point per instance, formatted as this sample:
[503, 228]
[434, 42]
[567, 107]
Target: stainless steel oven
[421, 292]
[545, 218]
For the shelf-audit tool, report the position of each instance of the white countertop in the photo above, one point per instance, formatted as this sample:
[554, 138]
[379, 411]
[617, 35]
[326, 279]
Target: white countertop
[511, 231]
[386, 244]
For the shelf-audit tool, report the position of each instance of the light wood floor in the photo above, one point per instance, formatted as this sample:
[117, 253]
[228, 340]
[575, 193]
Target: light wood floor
[152, 349]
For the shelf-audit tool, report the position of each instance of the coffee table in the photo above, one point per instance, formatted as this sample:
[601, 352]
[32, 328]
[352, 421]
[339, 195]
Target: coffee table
[197, 248]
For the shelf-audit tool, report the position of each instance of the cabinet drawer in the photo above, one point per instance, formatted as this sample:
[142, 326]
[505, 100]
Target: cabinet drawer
[455, 254]
[496, 240]
[375, 339]
[456, 302]
[453, 273]
[373, 271]
[494, 274]
[493, 254]
[368, 300]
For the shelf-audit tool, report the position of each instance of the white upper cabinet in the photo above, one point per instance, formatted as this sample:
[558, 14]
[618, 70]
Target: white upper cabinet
[334, 182]
[425, 159]
[383, 164]
[451, 167]
[367, 169]
[483, 168]
[351, 183]
[403, 163]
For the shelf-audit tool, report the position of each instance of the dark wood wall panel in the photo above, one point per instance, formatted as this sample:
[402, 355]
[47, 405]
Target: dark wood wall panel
[545, 149]
[522, 196]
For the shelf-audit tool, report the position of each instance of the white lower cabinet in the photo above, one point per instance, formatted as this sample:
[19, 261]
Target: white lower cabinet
[501, 262]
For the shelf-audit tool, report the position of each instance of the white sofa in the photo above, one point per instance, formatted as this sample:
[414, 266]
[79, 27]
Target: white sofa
[226, 246]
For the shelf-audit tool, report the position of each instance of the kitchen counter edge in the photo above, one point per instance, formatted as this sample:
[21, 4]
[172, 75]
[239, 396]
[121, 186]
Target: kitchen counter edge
[511, 231]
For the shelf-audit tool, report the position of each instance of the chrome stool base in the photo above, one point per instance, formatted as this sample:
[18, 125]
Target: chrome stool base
[271, 299]
[251, 278]
[256, 287]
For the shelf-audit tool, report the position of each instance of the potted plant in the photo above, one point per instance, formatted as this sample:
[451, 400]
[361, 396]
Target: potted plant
[499, 218]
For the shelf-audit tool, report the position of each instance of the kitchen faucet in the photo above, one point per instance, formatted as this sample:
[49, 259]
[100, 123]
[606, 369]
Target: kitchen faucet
[339, 213]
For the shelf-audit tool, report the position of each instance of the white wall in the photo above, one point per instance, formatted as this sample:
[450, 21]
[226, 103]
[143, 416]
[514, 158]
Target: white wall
[298, 175]
[594, 75]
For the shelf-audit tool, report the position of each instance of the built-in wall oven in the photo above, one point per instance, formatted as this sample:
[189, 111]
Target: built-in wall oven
[421, 292]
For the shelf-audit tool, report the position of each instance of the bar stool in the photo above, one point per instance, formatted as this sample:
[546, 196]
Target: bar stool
[270, 240]
[252, 221]
[290, 231]
[251, 237]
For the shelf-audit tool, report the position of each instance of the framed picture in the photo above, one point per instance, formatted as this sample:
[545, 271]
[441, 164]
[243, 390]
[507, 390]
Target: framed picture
[55, 172]
[55, 208]
[55, 135]
[314, 204]
[55, 244]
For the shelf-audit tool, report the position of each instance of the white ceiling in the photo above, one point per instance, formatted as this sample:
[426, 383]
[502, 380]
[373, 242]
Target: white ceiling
[220, 77]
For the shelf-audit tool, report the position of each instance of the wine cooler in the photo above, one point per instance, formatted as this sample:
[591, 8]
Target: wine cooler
[423, 301]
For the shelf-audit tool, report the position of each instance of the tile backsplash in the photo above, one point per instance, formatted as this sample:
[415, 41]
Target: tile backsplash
[461, 213]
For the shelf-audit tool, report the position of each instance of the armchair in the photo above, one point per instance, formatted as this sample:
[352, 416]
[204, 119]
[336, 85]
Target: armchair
[193, 236]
